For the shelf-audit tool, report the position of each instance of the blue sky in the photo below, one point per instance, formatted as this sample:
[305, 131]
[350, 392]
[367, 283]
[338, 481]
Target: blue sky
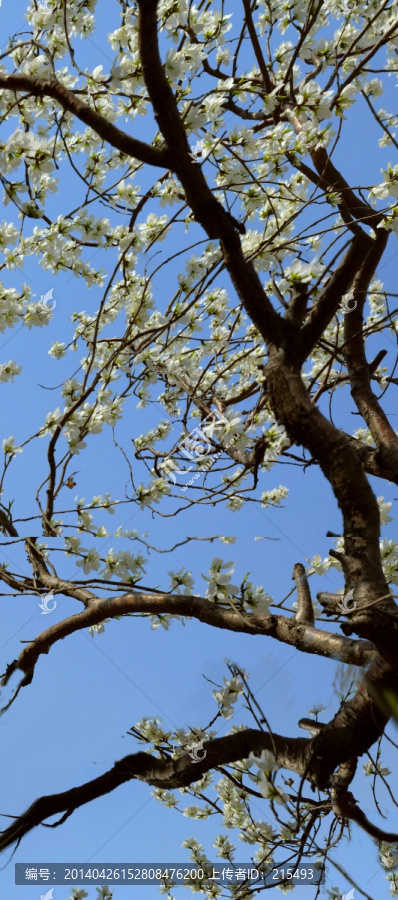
[70, 724]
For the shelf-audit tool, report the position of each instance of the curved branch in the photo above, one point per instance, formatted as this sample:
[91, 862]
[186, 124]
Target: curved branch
[51, 87]
[162, 773]
[286, 630]
[330, 298]
[361, 561]
[332, 180]
[356, 726]
[290, 402]
[54, 582]
[358, 368]
[345, 806]
[268, 83]
[207, 210]
[306, 425]
[354, 729]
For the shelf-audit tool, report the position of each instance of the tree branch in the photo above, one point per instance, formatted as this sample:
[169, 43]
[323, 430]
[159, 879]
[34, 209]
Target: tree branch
[354, 729]
[207, 210]
[356, 726]
[50, 87]
[332, 180]
[371, 461]
[305, 612]
[162, 773]
[306, 425]
[286, 630]
[358, 368]
[268, 84]
[345, 806]
[331, 295]
[361, 560]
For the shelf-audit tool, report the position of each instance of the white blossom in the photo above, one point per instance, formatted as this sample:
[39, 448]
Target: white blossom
[9, 370]
[9, 448]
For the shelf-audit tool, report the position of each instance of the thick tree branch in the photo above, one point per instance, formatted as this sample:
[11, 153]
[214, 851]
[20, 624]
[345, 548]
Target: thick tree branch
[329, 179]
[162, 773]
[345, 806]
[355, 727]
[268, 84]
[6, 525]
[358, 368]
[286, 630]
[44, 578]
[50, 87]
[208, 211]
[332, 180]
[290, 401]
[306, 425]
[361, 560]
[305, 612]
[371, 461]
[331, 295]
[353, 730]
